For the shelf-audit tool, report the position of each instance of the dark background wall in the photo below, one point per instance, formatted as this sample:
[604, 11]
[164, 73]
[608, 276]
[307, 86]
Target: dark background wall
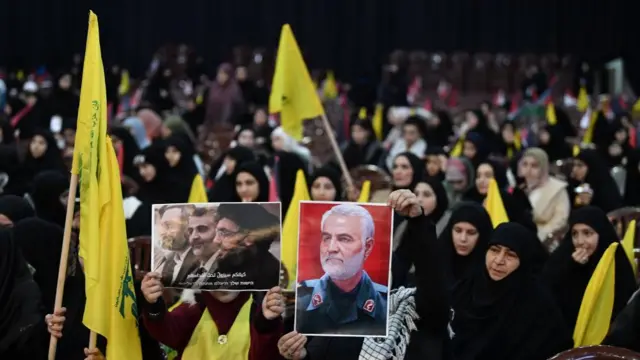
[351, 36]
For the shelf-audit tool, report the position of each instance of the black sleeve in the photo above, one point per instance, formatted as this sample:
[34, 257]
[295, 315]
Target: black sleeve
[432, 297]
[625, 330]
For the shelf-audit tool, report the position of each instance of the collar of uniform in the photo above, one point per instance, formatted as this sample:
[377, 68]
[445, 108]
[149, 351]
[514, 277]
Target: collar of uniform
[366, 292]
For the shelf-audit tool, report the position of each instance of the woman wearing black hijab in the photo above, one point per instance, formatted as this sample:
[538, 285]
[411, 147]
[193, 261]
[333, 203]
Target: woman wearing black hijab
[325, 184]
[434, 158]
[45, 194]
[22, 331]
[551, 140]
[42, 154]
[502, 311]
[64, 101]
[571, 266]
[590, 168]
[159, 185]
[14, 208]
[179, 154]
[41, 244]
[363, 148]
[222, 176]
[125, 142]
[475, 148]
[406, 171]
[476, 121]
[251, 183]
[439, 129]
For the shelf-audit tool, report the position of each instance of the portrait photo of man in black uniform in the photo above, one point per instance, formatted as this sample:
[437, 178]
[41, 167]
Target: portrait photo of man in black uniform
[345, 300]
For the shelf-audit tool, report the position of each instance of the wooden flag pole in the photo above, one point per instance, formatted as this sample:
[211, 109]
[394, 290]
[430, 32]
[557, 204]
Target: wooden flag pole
[93, 340]
[336, 150]
[64, 257]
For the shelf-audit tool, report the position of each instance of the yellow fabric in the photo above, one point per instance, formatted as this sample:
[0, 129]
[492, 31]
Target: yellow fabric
[110, 308]
[597, 302]
[517, 144]
[362, 114]
[627, 244]
[365, 193]
[204, 340]
[457, 148]
[494, 205]
[198, 193]
[377, 122]
[576, 150]
[123, 89]
[636, 106]
[290, 228]
[330, 86]
[588, 134]
[583, 99]
[552, 119]
[293, 94]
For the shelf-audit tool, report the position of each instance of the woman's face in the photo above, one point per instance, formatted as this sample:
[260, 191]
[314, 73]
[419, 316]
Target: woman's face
[246, 138]
[483, 176]
[229, 164]
[529, 169]
[469, 150]
[247, 187]
[433, 165]
[38, 146]
[277, 142]
[579, 170]
[501, 262]
[471, 119]
[222, 77]
[322, 189]
[410, 133]
[584, 237]
[359, 134]
[402, 172]
[544, 137]
[508, 135]
[65, 82]
[173, 155]
[241, 73]
[621, 136]
[426, 197]
[465, 237]
[147, 172]
[260, 117]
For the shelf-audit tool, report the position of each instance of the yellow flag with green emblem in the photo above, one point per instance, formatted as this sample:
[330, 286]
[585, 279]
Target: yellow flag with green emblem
[110, 308]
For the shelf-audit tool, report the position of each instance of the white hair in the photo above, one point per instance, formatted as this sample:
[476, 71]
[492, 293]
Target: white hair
[351, 209]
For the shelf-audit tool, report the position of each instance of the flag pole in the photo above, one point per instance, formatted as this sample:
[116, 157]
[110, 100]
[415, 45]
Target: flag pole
[93, 340]
[64, 257]
[336, 150]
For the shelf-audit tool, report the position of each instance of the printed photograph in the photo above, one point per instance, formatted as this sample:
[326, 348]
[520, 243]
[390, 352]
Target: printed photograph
[217, 246]
[344, 260]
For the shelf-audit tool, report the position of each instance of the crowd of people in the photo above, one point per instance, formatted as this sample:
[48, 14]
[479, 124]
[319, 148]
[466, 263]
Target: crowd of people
[479, 292]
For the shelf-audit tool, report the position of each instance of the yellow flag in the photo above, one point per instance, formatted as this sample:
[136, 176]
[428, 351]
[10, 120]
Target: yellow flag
[110, 308]
[627, 244]
[290, 228]
[583, 99]
[494, 205]
[123, 89]
[293, 94]
[636, 106]
[457, 148]
[552, 119]
[330, 87]
[198, 192]
[365, 192]
[588, 134]
[576, 150]
[597, 302]
[377, 121]
[362, 114]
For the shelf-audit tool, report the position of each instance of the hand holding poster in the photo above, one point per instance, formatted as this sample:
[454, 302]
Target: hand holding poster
[226, 246]
[343, 269]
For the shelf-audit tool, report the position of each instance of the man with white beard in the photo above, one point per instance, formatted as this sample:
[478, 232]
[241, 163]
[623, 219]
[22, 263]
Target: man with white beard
[344, 300]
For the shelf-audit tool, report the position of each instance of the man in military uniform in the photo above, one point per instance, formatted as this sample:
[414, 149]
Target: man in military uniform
[344, 300]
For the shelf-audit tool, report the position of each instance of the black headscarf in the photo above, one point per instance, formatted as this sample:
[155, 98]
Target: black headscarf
[482, 147]
[568, 279]
[605, 191]
[131, 149]
[19, 299]
[15, 208]
[369, 153]
[514, 318]
[224, 187]
[46, 189]
[442, 200]
[434, 151]
[459, 267]
[164, 188]
[50, 160]
[556, 148]
[186, 166]
[330, 173]
[257, 171]
[631, 189]
[438, 135]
